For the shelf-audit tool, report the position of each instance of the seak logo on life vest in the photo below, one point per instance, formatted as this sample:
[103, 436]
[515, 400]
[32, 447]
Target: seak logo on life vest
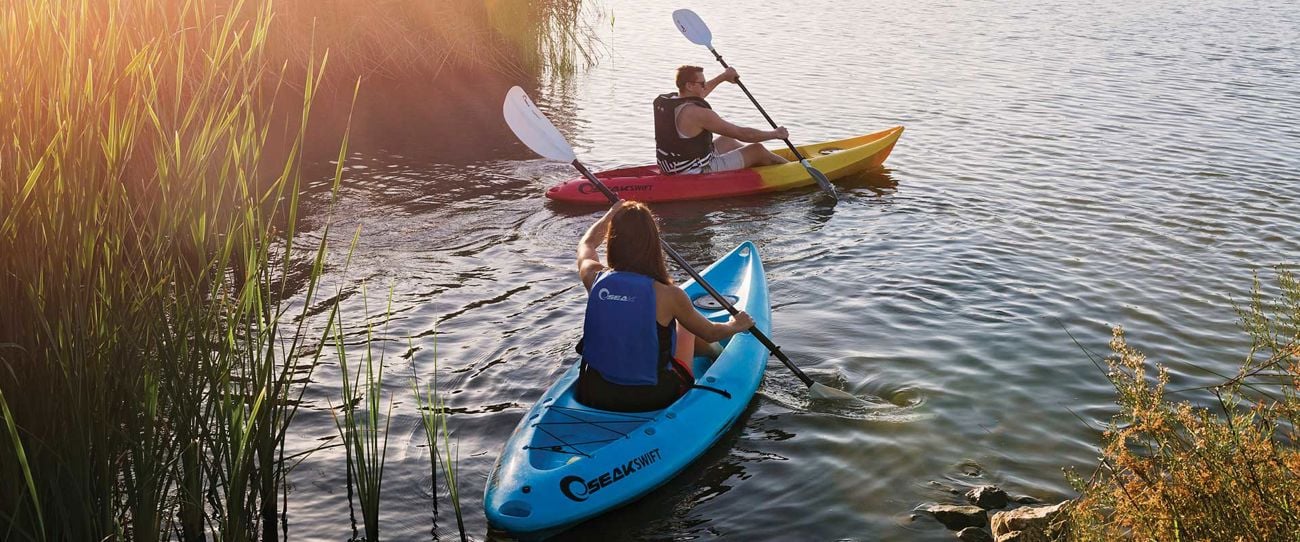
[588, 188]
[604, 295]
[578, 489]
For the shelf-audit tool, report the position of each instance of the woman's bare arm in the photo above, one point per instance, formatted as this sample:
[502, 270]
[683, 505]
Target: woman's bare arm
[588, 257]
[702, 327]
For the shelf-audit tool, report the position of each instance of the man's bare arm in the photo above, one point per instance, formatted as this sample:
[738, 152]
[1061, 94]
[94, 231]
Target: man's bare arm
[705, 118]
[729, 75]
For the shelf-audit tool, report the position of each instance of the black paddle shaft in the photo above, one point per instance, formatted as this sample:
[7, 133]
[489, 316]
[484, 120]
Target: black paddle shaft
[797, 154]
[681, 262]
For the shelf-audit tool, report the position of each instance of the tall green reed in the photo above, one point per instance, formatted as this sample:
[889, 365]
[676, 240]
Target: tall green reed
[364, 428]
[433, 417]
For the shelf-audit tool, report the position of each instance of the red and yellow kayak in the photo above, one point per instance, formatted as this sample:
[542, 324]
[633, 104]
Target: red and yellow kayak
[836, 159]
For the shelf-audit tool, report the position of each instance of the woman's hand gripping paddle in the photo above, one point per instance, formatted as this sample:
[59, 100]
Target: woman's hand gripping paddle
[536, 131]
[693, 27]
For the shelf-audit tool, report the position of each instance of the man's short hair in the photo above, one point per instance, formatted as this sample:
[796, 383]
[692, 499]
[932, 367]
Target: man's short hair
[686, 74]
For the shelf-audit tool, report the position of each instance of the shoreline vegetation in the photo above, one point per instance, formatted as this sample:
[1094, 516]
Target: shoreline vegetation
[1216, 462]
[154, 336]
[1222, 465]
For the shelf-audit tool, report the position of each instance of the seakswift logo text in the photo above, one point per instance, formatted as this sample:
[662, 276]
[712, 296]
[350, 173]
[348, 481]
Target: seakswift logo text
[604, 295]
[578, 489]
[588, 188]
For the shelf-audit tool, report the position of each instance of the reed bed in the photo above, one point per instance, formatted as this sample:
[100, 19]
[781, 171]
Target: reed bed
[426, 40]
[149, 362]
[155, 293]
[1225, 468]
[428, 65]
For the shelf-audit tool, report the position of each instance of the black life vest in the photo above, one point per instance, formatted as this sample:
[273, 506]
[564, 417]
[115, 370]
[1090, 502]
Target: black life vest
[673, 152]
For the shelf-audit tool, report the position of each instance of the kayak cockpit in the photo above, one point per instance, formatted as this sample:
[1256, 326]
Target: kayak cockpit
[567, 430]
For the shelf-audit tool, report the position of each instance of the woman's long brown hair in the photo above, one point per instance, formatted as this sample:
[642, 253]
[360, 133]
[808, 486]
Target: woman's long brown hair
[632, 243]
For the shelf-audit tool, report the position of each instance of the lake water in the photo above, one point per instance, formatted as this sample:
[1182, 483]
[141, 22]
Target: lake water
[1067, 166]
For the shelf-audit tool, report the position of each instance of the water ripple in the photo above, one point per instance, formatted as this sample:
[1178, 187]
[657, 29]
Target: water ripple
[1067, 166]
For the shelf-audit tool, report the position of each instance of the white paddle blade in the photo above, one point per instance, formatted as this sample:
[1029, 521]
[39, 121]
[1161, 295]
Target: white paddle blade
[533, 128]
[822, 391]
[693, 27]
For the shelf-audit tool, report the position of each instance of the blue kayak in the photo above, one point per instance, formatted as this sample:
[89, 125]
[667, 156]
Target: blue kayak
[567, 462]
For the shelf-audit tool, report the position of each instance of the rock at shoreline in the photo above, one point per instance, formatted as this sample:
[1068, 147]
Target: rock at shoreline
[974, 534]
[988, 497]
[945, 487]
[1026, 499]
[956, 517]
[1028, 524]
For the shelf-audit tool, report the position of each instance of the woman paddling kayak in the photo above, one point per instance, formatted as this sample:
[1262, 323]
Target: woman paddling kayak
[639, 327]
[566, 462]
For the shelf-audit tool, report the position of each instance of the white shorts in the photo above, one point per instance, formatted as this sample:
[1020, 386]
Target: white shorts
[726, 161]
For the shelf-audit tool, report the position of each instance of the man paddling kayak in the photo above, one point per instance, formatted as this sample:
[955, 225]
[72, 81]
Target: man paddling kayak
[640, 330]
[685, 124]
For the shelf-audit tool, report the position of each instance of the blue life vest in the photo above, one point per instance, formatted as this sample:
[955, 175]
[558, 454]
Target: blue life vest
[620, 333]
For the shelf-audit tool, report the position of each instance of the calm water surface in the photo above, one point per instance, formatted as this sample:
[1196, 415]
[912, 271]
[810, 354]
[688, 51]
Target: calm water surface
[1067, 166]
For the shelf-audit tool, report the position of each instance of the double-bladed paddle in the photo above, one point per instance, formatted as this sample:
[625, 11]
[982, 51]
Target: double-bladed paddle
[693, 27]
[536, 131]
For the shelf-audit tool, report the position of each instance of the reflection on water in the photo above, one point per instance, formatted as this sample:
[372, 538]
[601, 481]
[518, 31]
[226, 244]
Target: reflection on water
[1066, 166]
